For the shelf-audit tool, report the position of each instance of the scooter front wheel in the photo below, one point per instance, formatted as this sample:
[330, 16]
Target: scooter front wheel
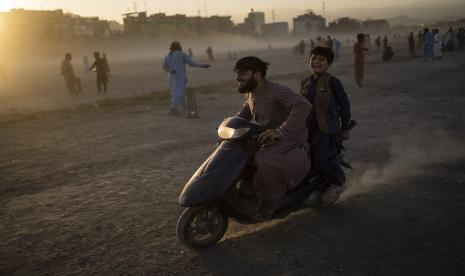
[201, 226]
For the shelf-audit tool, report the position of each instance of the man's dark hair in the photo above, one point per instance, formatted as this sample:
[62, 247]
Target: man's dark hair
[324, 51]
[175, 46]
[252, 63]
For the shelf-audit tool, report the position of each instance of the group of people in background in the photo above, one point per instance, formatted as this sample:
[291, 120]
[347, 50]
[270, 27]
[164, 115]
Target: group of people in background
[426, 43]
[332, 43]
[431, 43]
[208, 52]
[100, 66]
[362, 44]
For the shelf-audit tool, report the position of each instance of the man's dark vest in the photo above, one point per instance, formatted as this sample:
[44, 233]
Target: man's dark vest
[322, 98]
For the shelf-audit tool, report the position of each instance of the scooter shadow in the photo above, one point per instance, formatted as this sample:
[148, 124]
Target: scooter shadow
[391, 230]
[258, 249]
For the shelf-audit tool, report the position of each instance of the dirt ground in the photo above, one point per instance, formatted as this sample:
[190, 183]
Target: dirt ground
[94, 191]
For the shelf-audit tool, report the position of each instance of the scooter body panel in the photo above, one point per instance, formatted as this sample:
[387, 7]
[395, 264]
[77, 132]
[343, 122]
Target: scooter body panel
[241, 209]
[216, 175]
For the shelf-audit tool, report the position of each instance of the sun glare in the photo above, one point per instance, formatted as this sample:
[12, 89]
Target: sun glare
[6, 6]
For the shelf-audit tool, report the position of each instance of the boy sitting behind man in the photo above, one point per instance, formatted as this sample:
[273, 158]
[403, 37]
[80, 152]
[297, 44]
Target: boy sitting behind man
[328, 122]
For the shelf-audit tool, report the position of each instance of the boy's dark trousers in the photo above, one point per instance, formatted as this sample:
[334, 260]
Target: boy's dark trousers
[324, 151]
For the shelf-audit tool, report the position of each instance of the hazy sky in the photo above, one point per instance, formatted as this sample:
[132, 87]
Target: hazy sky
[284, 10]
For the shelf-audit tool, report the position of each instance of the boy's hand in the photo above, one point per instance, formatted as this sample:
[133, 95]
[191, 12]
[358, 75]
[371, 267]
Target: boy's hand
[345, 135]
[271, 134]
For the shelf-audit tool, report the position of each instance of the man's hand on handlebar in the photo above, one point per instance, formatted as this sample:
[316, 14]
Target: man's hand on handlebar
[269, 134]
[345, 135]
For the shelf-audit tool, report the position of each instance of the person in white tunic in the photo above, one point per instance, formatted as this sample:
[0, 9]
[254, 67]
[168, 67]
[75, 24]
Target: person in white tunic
[175, 64]
[437, 44]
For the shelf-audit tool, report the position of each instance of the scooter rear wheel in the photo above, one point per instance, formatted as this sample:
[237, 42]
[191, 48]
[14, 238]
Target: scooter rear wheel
[201, 226]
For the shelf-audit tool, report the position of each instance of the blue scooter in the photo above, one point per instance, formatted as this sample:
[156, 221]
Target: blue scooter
[212, 196]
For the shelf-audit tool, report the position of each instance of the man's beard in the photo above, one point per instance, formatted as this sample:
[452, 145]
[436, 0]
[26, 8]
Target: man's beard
[248, 86]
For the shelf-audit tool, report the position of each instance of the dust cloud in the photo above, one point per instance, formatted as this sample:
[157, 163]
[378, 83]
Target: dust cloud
[49, 52]
[410, 155]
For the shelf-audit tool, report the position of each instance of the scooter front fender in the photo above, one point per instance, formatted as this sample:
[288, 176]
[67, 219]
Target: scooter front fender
[215, 176]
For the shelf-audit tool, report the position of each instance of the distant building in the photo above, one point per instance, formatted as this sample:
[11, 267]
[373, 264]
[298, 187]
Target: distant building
[252, 24]
[345, 25]
[90, 27]
[275, 29]
[133, 24]
[256, 19]
[445, 25]
[161, 24]
[115, 27]
[36, 25]
[375, 25]
[309, 23]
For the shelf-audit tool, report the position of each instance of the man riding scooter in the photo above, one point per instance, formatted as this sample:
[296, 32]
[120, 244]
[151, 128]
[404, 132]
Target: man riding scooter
[281, 159]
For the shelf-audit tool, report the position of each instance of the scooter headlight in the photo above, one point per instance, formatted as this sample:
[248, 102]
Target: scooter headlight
[225, 132]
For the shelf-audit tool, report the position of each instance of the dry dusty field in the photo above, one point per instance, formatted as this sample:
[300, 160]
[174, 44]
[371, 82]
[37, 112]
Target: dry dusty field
[92, 189]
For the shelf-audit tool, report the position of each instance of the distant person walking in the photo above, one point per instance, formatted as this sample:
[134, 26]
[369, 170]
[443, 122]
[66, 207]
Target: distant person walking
[209, 53]
[368, 41]
[359, 58]
[175, 64]
[385, 43]
[319, 42]
[330, 43]
[337, 47]
[301, 48]
[85, 63]
[450, 40]
[101, 67]
[190, 53]
[68, 73]
[105, 61]
[420, 42]
[312, 44]
[461, 39]
[411, 45]
[428, 50]
[378, 43]
[437, 48]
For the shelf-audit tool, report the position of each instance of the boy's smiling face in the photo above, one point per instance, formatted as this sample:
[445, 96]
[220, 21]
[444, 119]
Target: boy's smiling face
[319, 64]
